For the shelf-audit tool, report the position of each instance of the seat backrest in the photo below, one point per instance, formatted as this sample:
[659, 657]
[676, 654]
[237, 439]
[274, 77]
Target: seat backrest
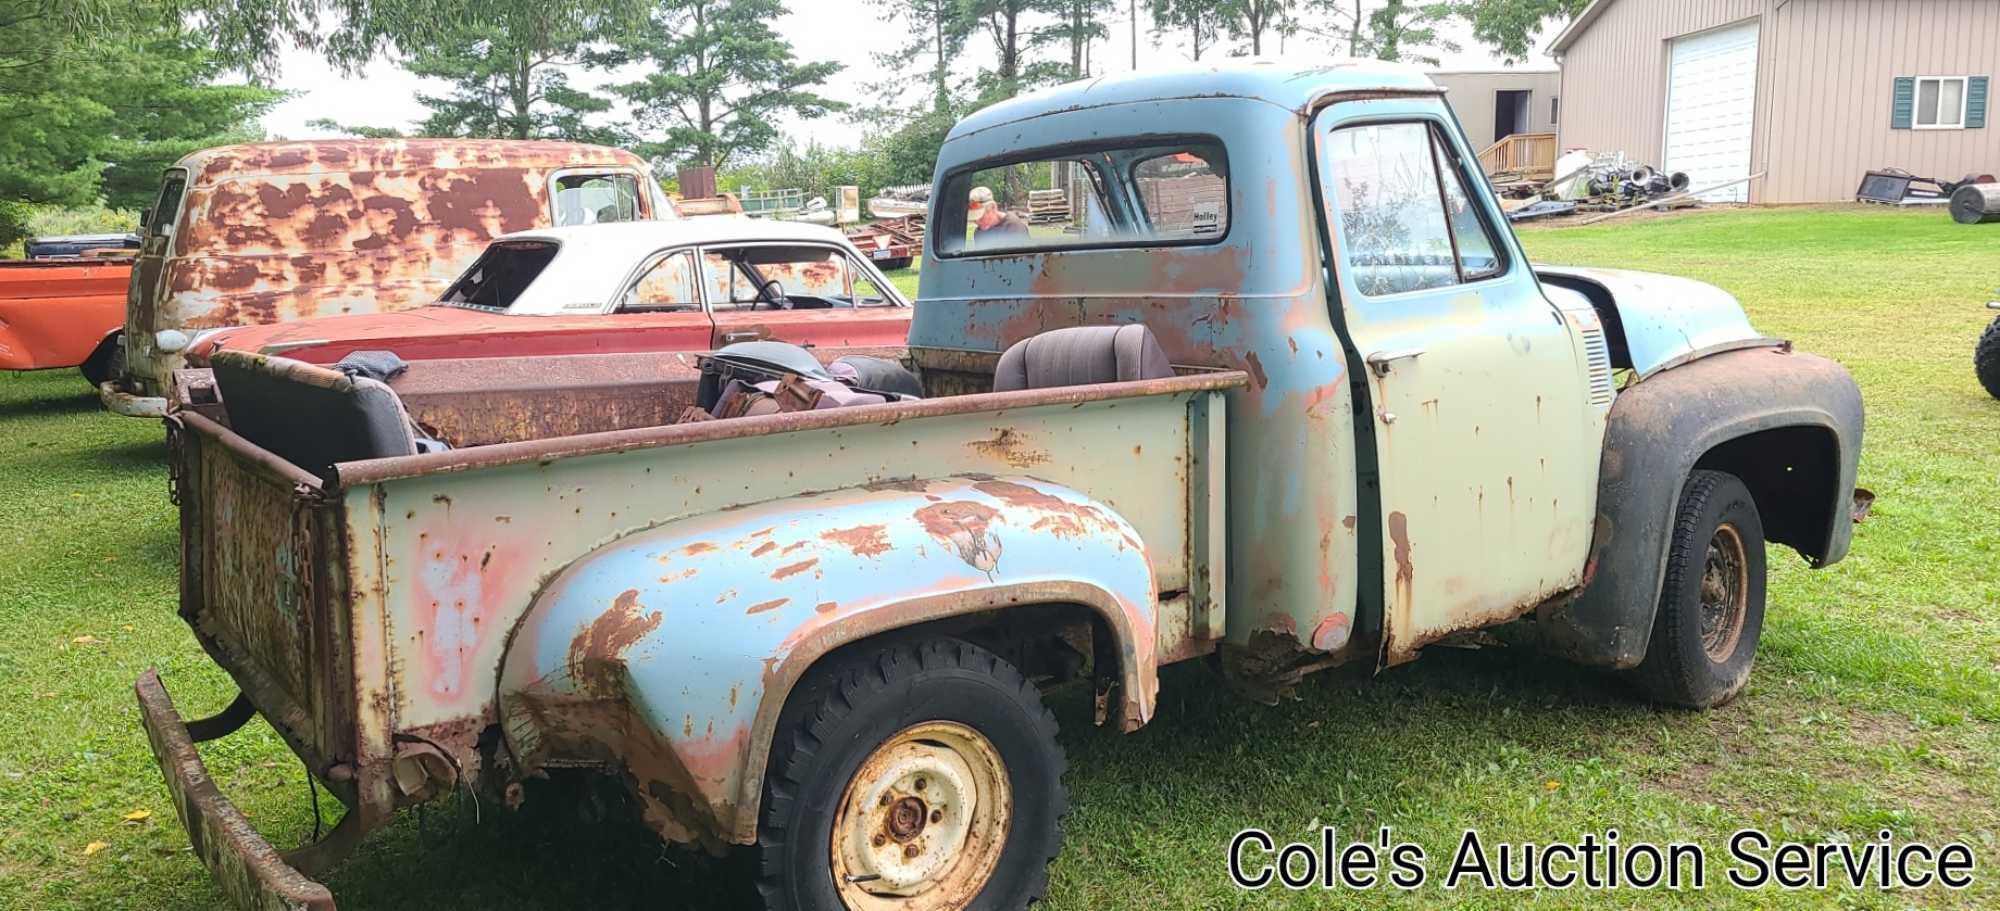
[308, 415]
[1082, 355]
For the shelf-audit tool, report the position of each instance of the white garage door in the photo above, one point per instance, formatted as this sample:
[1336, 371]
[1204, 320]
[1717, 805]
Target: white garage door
[1711, 106]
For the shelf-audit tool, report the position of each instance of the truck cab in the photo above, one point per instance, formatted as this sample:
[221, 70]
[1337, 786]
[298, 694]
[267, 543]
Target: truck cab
[1237, 364]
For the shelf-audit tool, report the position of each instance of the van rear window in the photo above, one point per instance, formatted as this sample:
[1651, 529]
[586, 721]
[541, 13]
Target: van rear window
[500, 274]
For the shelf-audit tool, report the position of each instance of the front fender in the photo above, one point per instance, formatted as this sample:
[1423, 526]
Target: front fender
[1657, 433]
[669, 653]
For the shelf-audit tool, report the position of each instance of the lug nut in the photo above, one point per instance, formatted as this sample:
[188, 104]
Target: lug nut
[920, 784]
[937, 815]
[909, 850]
[880, 840]
[885, 798]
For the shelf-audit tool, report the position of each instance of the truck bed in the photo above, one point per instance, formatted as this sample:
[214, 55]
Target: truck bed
[374, 605]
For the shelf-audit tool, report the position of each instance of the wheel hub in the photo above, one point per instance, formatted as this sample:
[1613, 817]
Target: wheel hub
[923, 821]
[1725, 590]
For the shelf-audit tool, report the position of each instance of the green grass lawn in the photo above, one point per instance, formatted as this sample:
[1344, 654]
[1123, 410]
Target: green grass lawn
[1875, 704]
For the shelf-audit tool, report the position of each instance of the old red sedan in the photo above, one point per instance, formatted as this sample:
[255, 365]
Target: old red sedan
[650, 286]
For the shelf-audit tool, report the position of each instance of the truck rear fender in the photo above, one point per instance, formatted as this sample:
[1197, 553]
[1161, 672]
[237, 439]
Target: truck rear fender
[669, 653]
[1788, 424]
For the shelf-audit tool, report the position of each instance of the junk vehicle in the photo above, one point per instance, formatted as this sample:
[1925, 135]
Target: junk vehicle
[689, 285]
[57, 311]
[1290, 396]
[280, 231]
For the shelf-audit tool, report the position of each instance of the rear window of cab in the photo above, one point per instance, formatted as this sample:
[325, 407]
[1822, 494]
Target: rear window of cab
[1161, 193]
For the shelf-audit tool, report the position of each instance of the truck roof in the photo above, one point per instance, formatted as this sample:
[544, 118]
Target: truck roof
[1293, 83]
[343, 155]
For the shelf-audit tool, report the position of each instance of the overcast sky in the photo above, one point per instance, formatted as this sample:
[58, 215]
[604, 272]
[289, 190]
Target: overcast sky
[849, 31]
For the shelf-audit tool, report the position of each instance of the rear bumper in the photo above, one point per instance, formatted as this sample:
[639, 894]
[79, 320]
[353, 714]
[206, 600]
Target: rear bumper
[118, 401]
[246, 867]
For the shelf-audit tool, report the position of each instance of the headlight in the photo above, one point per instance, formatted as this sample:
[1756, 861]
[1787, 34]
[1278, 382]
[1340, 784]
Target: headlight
[170, 340]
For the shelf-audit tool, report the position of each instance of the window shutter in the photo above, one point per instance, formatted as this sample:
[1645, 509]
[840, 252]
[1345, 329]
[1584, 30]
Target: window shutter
[1903, 109]
[1975, 103]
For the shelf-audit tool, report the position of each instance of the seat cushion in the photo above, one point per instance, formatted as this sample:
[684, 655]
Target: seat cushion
[308, 415]
[1082, 355]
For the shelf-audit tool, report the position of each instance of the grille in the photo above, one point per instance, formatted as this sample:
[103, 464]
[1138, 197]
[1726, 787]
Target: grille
[1598, 354]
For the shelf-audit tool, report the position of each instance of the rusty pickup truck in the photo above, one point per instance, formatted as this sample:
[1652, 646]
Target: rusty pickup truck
[1276, 387]
[280, 231]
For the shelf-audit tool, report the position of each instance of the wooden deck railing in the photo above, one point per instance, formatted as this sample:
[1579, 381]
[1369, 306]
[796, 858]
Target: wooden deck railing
[1528, 154]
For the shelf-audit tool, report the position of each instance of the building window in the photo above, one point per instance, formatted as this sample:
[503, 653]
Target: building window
[1555, 108]
[1941, 103]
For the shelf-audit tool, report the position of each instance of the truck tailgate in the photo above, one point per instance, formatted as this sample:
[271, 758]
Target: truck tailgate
[262, 578]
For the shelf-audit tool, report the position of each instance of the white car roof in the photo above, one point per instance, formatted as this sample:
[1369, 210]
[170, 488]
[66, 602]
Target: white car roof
[593, 261]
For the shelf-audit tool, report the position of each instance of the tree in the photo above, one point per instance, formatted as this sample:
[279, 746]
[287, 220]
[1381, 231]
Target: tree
[1402, 31]
[720, 79]
[350, 33]
[1004, 23]
[1077, 24]
[165, 102]
[96, 97]
[938, 29]
[1511, 26]
[1252, 18]
[510, 80]
[1200, 18]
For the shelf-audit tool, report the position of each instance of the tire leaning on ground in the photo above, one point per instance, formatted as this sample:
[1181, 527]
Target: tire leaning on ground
[1986, 358]
[918, 776]
[1711, 611]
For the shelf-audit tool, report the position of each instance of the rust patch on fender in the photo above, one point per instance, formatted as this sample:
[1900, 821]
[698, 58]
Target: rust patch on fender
[964, 525]
[763, 606]
[793, 569]
[596, 654]
[1061, 518]
[764, 548]
[861, 540]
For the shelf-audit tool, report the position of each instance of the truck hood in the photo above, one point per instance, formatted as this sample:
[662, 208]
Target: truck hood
[1664, 320]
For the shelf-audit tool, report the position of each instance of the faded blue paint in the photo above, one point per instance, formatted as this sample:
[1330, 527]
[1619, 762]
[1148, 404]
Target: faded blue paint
[745, 598]
[1666, 319]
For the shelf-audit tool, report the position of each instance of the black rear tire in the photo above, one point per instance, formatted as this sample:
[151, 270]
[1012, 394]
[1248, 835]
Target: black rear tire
[1986, 358]
[839, 717]
[106, 361]
[1711, 611]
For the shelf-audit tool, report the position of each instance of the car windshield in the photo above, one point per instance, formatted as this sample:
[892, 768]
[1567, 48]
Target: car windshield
[500, 275]
[785, 276]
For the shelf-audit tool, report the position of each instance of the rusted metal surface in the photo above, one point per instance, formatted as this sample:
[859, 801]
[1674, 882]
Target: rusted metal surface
[450, 554]
[352, 474]
[55, 313]
[677, 678]
[245, 867]
[273, 232]
[1254, 301]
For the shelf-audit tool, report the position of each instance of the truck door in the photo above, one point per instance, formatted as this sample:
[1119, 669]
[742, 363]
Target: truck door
[147, 286]
[1479, 399]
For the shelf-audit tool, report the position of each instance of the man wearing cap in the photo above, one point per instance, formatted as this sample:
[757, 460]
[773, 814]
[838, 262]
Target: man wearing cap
[991, 226]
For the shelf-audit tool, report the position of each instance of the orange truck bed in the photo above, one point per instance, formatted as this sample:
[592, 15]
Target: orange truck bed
[53, 313]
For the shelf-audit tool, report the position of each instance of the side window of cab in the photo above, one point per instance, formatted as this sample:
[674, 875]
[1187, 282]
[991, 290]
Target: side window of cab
[1407, 217]
[667, 285]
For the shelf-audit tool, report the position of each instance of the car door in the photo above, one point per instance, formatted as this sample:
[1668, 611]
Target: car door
[1477, 385]
[814, 275]
[660, 308]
